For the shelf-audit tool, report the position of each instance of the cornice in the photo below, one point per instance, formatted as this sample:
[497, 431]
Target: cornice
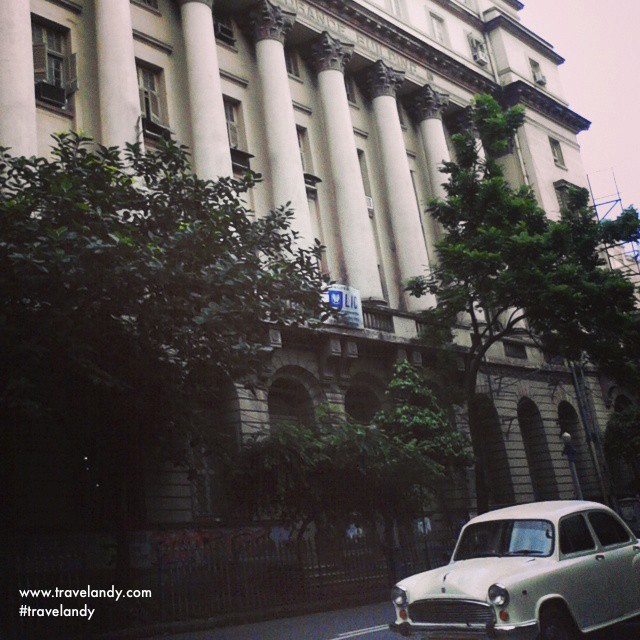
[520, 92]
[516, 4]
[419, 51]
[510, 25]
[461, 12]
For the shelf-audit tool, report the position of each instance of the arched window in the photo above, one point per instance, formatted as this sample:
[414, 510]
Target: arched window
[536, 448]
[587, 476]
[491, 440]
[362, 403]
[289, 401]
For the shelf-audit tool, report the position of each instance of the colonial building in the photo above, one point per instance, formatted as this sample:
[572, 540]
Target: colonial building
[347, 108]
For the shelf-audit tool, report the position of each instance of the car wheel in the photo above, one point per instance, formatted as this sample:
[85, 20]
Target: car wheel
[555, 624]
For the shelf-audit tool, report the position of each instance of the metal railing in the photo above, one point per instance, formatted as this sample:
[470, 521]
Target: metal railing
[255, 579]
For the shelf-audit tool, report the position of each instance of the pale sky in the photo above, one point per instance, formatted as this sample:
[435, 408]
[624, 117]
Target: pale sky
[601, 79]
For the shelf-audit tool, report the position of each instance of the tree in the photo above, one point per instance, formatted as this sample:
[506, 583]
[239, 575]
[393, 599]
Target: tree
[130, 289]
[338, 470]
[622, 439]
[506, 269]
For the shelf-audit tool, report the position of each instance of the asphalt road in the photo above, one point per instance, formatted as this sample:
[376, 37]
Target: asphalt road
[366, 623]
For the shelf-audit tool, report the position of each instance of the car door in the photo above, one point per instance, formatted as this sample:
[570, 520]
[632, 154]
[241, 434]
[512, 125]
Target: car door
[580, 578]
[619, 558]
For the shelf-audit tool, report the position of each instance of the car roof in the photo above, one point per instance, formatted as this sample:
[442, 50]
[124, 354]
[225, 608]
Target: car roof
[552, 510]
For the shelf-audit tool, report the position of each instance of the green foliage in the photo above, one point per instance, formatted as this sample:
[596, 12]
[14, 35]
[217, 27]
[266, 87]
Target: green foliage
[622, 437]
[129, 288]
[337, 468]
[502, 261]
[505, 268]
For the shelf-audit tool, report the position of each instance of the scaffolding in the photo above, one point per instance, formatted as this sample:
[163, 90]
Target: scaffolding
[624, 256]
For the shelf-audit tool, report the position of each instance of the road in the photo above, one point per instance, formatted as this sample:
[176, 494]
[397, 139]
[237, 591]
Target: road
[363, 623]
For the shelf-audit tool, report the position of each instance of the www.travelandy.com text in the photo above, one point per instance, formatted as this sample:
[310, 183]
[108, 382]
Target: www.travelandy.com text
[62, 611]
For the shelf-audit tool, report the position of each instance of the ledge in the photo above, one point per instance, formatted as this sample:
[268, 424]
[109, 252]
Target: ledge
[165, 47]
[412, 46]
[516, 29]
[519, 92]
[68, 4]
[464, 13]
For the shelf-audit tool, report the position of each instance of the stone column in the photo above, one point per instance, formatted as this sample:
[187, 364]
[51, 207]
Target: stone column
[269, 26]
[426, 107]
[461, 122]
[413, 260]
[117, 77]
[17, 97]
[210, 142]
[356, 233]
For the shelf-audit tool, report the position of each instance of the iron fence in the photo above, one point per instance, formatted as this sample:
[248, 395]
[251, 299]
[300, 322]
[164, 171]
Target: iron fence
[255, 579]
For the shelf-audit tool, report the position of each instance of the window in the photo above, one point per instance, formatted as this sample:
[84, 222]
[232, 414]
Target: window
[364, 172]
[232, 114]
[223, 29]
[556, 152]
[291, 60]
[350, 87]
[438, 29]
[515, 350]
[305, 154]
[536, 70]
[575, 536]
[152, 105]
[396, 7]
[608, 530]
[401, 115]
[506, 538]
[54, 67]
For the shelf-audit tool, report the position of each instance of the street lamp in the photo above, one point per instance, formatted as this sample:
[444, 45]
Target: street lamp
[570, 451]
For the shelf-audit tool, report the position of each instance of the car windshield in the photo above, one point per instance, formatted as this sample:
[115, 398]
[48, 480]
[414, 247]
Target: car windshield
[506, 538]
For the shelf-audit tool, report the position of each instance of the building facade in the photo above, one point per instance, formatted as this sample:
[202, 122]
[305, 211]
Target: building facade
[347, 108]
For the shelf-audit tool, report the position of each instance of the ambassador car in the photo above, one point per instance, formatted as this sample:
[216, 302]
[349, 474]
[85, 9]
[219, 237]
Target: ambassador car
[545, 570]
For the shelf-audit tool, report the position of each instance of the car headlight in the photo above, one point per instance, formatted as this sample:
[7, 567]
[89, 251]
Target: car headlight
[498, 595]
[399, 597]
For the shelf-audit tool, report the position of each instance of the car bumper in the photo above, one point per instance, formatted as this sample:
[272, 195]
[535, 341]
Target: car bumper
[524, 631]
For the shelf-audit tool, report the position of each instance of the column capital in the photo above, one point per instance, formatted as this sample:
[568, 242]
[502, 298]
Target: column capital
[209, 3]
[382, 80]
[462, 121]
[427, 103]
[269, 21]
[328, 52]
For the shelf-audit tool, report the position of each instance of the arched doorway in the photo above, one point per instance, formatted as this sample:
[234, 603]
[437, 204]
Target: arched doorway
[489, 440]
[290, 401]
[536, 448]
[570, 423]
[363, 399]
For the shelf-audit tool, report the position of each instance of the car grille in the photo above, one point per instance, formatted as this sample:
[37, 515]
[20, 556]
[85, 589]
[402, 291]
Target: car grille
[451, 612]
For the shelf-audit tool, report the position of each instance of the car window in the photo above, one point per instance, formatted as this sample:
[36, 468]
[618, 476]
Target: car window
[575, 535]
[506, 538]
[608, 530]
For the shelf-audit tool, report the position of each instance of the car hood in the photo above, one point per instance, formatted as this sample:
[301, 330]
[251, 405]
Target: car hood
[471, 578]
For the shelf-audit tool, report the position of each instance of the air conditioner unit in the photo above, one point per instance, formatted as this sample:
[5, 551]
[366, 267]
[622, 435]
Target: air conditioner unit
[480, 57]
[234, 135]
[540, 78]
[369, 201]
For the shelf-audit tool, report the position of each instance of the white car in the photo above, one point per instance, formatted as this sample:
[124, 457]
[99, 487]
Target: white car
[546, 570]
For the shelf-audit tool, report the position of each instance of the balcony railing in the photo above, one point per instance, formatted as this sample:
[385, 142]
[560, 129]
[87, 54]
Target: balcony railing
[378, 320]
